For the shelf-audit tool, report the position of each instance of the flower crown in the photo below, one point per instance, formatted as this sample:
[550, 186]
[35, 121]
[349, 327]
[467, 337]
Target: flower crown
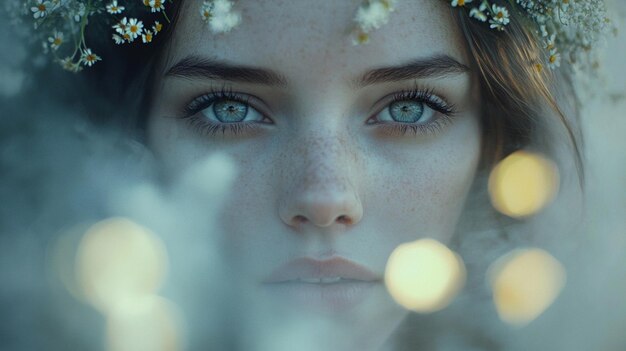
[567, 28]
[61, 24]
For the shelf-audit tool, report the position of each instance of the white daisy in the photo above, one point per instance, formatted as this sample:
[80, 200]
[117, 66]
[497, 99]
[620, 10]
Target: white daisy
[41, 8]
[69, 65]
[157, 27]
[373, 15]
[114, 9]
[146, 37]
[555, 59]
[456, 3]
[479, 13]
[56, 40]
[88, 58]
[219, 15]
[205, 10]
[134, 28]
[156, 5]
[118, 39]
[225, 22]
[121, 27]
[499, 17]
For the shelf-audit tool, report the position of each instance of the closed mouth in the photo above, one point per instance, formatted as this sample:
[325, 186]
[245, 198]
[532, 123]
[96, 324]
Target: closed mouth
[330, 285]
[312, 271]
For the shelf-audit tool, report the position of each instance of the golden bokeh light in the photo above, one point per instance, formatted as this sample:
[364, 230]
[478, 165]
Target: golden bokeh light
[149, 323]
[60, 258]
[522, 184]
[525, 283]
[424, 276]
[119, 260]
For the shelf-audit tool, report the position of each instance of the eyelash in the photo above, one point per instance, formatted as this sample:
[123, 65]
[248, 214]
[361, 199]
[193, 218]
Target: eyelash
[425, 96]
[428, 98]
[210, 128]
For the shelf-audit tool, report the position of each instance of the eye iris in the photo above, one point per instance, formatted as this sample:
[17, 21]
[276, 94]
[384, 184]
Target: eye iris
[229, 111]
[406, 111]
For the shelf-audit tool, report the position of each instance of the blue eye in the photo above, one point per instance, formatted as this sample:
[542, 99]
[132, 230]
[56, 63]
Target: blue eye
[223, 111]
[406, 111]
[217, 109]
[229, 111]
[418, 111]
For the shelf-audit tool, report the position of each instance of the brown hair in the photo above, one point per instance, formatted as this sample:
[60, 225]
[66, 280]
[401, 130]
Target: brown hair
[523, 102]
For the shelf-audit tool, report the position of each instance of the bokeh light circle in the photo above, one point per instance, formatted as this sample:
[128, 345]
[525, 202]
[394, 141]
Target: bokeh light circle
[525, 282]
[149, 323]
[522, 184]
[118, 260]
[424, 276]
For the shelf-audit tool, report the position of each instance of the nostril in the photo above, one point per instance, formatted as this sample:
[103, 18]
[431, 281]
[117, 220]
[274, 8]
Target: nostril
[299, 219]
[343, 219]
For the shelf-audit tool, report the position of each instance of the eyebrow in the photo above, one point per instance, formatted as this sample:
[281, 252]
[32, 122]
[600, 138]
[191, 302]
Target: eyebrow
[431, 67]
[194, 67]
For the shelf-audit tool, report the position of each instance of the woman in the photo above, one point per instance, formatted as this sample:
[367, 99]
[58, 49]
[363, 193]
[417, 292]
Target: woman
[328, 183]
[345, 152]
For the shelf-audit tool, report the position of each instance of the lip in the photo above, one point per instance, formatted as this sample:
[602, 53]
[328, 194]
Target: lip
[310, 268]
[296, 282]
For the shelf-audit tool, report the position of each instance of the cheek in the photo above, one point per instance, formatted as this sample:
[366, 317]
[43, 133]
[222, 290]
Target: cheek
[421, 191]
[174, 147]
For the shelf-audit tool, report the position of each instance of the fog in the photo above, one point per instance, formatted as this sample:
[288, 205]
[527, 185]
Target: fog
[61, 173]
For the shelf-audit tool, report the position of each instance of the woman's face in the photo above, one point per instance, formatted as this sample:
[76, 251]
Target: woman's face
[343, 152]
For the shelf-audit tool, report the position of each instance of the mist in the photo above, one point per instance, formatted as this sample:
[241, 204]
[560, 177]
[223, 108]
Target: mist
[61, 173]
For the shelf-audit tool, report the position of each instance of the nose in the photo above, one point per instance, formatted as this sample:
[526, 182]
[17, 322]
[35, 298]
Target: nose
[322, 208]
[321, 189]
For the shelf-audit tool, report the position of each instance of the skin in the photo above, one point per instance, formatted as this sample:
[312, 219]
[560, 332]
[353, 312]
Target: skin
[318, 181]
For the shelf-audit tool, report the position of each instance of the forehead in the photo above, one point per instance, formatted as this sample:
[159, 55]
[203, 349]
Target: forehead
[302, 37]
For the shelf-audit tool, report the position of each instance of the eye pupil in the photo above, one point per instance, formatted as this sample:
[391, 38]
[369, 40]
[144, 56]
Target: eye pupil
[229, 111]
[406, 111]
